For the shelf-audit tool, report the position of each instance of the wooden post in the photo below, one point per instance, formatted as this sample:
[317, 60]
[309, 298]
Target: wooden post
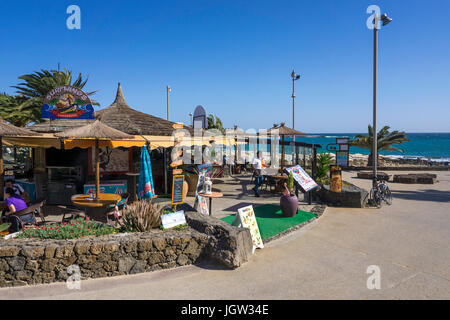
[282, 151]
[1, 169]
[304, 157]
[165, 171]
[97, 170]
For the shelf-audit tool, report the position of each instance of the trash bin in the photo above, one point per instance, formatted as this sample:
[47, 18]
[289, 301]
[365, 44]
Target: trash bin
[335, 178]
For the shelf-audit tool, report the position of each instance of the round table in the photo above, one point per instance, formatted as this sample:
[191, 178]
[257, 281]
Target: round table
[279, 182]
[211, 196]
[95, 208]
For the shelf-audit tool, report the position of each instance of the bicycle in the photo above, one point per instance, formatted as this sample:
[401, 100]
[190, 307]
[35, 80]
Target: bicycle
[380, 193]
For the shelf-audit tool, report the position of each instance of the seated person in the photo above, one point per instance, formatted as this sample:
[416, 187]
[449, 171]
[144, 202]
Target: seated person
[15, 203]
[9, 183]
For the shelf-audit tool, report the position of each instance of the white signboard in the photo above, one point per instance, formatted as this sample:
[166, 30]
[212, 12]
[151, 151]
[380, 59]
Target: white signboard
[302, 178]
[245, 218]
[173, 219]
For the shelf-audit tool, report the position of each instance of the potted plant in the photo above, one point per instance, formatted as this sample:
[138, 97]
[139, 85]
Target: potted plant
[289, 201]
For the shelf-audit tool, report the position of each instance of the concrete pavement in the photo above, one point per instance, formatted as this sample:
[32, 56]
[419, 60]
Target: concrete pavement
[328, 259]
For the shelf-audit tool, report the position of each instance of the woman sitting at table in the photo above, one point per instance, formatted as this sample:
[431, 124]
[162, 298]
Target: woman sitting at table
[15, 203]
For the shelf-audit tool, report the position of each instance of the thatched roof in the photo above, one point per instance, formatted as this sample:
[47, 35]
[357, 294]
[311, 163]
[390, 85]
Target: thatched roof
[284, 130]
[58, 125]
[95, 130]
[8, 130]
[121, 116]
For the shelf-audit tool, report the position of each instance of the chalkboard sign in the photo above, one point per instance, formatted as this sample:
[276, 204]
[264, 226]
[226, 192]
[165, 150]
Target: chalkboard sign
[177, 189]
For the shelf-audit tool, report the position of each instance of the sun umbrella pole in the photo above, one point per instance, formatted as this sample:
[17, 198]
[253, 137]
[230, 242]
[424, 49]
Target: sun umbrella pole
[282, 150]
[97, 170]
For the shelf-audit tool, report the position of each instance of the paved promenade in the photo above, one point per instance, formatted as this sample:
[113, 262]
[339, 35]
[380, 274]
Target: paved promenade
[409, 241]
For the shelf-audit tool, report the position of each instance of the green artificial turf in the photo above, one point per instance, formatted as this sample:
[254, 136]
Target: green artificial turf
[271, 222]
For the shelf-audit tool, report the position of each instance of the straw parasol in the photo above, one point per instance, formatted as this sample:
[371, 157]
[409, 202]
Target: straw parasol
[8, 130]
[121, 116]
[283, 131]
[95, 131]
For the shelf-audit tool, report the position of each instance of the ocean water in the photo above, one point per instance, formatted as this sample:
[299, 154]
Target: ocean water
[432, 146]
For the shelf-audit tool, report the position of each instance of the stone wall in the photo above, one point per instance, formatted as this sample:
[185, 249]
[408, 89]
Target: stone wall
[228, 245]
[31, 261]
[34, 262]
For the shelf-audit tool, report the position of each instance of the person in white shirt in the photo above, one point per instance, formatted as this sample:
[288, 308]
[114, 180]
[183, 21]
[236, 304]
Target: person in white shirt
[257, 164]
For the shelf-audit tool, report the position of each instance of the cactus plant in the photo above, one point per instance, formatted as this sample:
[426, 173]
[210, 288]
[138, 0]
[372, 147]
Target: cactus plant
[141, 216]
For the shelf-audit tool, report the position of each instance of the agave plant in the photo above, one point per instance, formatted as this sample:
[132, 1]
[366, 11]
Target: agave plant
[4, 227]
[141, 216]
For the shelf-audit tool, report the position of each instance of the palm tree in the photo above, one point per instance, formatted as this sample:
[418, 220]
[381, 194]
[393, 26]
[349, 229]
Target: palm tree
[214, 123]
[385, 141]
[9, 110]
[36, 86]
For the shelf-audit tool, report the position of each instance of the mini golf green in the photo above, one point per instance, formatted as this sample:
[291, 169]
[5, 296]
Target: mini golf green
[271, 222]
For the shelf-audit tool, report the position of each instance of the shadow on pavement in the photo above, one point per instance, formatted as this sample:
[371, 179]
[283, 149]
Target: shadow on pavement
[422, 195]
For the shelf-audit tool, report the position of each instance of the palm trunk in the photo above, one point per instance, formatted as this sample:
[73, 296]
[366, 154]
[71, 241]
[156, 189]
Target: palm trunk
[370, 159]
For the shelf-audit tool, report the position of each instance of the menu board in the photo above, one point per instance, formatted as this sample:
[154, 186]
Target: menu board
[204, 171]
[342, 158]
[246, 219]
[177, 189]
[302, 178]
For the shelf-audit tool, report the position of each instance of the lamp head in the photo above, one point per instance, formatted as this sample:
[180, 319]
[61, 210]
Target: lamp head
[385, 19]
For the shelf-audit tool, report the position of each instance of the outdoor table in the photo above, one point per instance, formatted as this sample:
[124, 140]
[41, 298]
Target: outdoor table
[279, 181]
[269, 171]
[211, 196]
[95, 208]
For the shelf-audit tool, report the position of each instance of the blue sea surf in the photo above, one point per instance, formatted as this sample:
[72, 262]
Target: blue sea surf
[431, 146]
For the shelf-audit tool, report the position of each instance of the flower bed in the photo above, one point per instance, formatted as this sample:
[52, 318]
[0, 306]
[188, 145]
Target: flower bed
[77, 228]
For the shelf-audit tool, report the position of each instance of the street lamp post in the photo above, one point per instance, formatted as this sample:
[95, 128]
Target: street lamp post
[385, 20]
[294, 77]
[168, 89]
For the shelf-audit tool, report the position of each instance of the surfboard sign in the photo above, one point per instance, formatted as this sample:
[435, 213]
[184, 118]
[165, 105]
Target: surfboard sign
[67, 102]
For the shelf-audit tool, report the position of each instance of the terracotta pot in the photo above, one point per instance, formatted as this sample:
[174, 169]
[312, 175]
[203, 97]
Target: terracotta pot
[192, 180]
[289, 205]
[185, 189]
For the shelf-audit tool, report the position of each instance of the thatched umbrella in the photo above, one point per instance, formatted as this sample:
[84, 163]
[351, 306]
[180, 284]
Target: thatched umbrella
[95, 131]
[283, 131]
[121, 116]
[8, 130]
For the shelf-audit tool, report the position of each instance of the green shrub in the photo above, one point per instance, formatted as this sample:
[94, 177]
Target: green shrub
[323, 166]
[77, 228]
[290, 182]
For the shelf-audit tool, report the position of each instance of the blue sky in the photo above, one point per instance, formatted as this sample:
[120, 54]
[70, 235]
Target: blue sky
[235, 58]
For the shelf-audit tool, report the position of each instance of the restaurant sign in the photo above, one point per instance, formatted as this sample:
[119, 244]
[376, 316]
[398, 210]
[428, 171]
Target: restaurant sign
[67, 102]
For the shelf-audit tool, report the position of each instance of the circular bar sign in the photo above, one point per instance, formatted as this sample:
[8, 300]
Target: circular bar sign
[67, 102]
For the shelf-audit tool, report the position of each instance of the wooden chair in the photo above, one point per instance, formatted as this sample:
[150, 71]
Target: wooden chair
[35, 210]
[74, 213]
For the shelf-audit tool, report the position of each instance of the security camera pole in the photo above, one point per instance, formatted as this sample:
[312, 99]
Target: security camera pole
[385, 20]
